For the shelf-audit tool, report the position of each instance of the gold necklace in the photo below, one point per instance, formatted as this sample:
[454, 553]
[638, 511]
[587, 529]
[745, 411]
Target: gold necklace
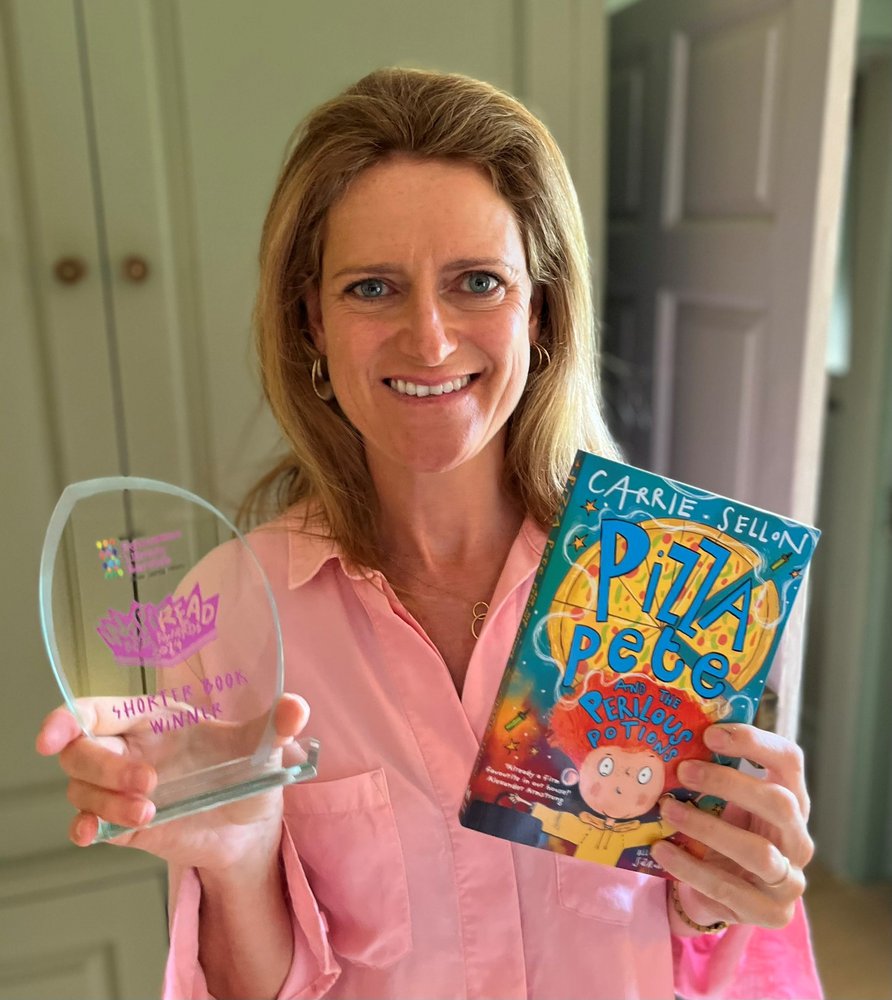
[479, 611]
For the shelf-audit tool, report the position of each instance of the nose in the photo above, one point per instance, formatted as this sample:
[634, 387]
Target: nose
[424, 336]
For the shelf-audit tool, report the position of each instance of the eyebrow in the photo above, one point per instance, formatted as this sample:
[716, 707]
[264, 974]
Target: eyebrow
[387, 267]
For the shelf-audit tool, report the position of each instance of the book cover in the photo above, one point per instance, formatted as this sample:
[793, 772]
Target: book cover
[656, 611]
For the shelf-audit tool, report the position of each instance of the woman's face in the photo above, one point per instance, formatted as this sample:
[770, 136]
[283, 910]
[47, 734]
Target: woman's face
[425, 313]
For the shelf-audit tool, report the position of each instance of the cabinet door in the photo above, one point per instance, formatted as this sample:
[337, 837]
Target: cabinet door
[71, 923]
[54, 362]
[93, 936]
[50, 209]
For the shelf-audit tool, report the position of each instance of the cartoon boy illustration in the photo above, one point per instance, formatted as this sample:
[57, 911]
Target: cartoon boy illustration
[623, 777]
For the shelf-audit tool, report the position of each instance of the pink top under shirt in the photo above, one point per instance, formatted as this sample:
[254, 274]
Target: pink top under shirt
[391, 897]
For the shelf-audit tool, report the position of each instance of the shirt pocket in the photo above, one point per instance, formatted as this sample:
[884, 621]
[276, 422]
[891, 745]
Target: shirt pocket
[347, 839]
[596, 891]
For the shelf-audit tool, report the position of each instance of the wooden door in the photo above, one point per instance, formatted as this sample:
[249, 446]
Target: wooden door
[727, 136]
[727, 128]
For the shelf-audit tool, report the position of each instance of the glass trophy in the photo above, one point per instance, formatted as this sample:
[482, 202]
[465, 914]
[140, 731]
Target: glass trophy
[161, 626]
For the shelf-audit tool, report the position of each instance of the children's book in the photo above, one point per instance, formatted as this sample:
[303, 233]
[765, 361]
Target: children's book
[655, 612]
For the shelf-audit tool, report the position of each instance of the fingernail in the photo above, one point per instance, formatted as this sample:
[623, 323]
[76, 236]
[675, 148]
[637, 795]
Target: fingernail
[690, 772]
[670, 807]
[717, 737]
[143, 813]
[661, 851]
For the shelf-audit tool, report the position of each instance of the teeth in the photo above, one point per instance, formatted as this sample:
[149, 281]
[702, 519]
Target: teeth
[405, 388]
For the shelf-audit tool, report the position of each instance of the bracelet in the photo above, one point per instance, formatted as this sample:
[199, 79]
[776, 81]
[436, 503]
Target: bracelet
[719, 925]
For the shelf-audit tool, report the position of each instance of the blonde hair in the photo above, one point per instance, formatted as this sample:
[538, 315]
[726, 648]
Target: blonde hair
[427, 115]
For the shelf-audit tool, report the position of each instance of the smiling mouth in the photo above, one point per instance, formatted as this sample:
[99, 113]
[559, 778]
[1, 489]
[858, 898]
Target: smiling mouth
[405, 388]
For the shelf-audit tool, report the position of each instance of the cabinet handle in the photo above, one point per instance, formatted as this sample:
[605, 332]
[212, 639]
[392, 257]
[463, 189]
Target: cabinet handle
[69, 270]
[135, 269]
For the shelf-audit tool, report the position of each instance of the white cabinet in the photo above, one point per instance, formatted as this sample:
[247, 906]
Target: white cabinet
[151, 131]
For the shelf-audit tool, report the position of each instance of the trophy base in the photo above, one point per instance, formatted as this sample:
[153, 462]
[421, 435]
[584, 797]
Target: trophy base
[218, 786]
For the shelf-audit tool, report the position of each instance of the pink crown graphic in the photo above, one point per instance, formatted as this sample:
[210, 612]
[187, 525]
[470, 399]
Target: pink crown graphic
[160, 635]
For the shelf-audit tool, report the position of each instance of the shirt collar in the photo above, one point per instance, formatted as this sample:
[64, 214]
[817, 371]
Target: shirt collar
[309, 549]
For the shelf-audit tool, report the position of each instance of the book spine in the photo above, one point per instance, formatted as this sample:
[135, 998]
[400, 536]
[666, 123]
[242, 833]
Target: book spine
[508, 675]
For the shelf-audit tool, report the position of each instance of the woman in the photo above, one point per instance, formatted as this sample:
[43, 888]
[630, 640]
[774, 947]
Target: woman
[426, 342]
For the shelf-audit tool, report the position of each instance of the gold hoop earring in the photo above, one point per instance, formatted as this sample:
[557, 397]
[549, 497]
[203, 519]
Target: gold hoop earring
[543, 358]
[321, 385]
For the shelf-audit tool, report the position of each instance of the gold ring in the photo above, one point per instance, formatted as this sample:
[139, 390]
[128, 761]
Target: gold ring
[783, 878]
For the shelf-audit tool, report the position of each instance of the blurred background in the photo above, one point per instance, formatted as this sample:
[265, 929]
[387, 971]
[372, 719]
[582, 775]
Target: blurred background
[733, 160]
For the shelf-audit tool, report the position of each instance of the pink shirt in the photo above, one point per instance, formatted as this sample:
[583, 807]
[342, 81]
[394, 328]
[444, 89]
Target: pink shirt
[391, 896]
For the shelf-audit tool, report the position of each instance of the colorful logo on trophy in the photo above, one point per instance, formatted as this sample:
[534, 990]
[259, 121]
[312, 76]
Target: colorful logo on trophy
[109, 557]
[137, 556]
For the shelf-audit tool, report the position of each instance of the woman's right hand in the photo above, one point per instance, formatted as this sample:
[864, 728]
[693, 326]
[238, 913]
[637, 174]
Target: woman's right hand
[109, 778]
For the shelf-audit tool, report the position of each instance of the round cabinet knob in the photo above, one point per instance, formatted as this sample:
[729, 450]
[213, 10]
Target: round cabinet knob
[135, 269]
[69, 270]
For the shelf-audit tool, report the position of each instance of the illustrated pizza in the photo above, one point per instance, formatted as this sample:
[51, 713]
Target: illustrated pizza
[637, 598]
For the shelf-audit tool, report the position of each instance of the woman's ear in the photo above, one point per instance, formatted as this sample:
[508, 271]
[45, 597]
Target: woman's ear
[314, 318]
[569, 776]
[537, 300]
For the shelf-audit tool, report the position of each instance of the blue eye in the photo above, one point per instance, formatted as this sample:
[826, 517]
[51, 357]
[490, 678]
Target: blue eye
[481, 283]
[369, 288]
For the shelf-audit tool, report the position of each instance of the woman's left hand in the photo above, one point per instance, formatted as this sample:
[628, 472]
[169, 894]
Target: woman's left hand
[757, 849]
